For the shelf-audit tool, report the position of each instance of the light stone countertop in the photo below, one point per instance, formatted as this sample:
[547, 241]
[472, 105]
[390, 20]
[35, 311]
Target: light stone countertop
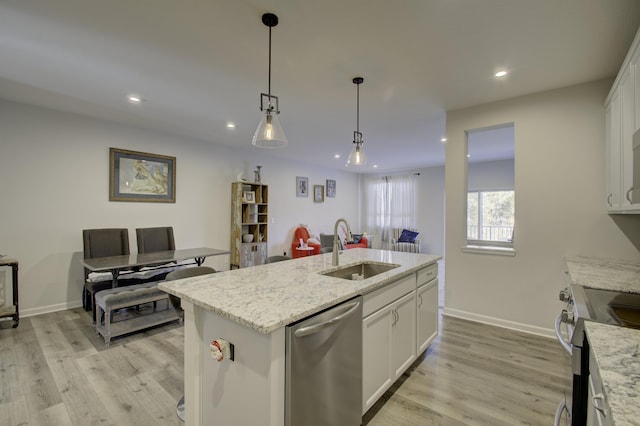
[268, 297]
[605, 274]
[617, 353]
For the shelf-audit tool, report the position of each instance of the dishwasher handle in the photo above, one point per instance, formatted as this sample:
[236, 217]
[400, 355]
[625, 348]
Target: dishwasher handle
[312, 329]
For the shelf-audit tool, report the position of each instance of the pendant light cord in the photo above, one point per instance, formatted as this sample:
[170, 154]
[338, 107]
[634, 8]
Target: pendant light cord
[269, 66]
[358, 108]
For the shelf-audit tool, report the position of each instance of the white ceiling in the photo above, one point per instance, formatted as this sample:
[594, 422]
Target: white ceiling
[201, 63]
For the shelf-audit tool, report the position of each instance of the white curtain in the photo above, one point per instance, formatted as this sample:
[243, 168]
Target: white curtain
[390, 202]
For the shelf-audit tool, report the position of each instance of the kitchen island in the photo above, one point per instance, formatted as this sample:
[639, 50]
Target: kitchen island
[250, 308]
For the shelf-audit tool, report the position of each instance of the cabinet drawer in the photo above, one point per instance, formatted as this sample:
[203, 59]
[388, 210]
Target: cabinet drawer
[427, 274]
[387, 294]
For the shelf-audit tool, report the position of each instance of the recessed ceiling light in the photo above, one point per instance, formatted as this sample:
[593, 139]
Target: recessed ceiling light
[375, 166]
[443, 140]
[468, 155]
[231, 125]
[336, 156]
[135, 99]
[500, 73]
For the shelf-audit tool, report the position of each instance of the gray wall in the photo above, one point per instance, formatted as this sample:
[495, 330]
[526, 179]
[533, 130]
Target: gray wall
[559, 185]
[54, 169]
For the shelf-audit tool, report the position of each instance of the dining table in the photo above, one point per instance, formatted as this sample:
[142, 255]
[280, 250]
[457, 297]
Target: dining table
[128, 263]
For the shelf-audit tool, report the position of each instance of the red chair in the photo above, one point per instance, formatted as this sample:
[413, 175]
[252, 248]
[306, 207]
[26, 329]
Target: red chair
[302, 232]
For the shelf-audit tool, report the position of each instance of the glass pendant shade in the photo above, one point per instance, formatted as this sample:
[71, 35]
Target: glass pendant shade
[269, 133]
[357, 157]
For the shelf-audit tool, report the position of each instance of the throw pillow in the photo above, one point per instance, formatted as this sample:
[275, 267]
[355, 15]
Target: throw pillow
[356, 238]
[408, 236]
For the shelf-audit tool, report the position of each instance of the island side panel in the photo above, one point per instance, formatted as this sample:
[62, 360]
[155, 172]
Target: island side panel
[192, 363]
[248, 390]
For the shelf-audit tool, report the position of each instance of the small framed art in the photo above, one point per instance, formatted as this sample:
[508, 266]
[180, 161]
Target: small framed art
[249, 197]
[318, 193]
[302, 186]
[331, 188]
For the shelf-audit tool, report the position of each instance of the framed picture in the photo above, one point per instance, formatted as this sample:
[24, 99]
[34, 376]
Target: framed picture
[249, 197]
[318, 193]
[140, 176]
[302, 186]
[331, 188]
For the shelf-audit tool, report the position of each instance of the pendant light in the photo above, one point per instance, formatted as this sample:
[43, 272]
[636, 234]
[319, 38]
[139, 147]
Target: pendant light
[357, 156]
[269, 133]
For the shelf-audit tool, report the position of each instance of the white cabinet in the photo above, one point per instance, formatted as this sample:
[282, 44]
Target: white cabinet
[399, 321]
[427, 311]
[622, 120]
[598, 413]
[613, 166]
[389, 346]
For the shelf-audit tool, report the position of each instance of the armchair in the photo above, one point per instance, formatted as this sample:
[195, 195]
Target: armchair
[302, 233]
[405, 239]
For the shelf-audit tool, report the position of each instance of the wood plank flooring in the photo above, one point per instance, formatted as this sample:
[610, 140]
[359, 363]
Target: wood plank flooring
[54, 370]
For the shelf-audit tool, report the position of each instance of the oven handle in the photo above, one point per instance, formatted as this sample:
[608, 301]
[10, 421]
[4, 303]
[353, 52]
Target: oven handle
[566, 345]
[561, 407]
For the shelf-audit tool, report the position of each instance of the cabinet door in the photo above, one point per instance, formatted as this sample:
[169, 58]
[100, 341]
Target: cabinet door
[613, 166]
[427, 309]
[376, 355]
[595, 417]
[403, 335]
[627, 112]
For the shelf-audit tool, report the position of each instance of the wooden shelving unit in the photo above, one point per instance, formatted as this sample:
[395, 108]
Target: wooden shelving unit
[249, 216]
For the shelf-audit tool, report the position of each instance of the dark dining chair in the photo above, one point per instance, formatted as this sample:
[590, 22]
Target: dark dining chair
[101, 242]
[155, 239]
[175, 301]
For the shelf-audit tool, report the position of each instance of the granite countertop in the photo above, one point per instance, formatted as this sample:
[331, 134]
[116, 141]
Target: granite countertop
[605, 274]
[268, 297]
[617, 353]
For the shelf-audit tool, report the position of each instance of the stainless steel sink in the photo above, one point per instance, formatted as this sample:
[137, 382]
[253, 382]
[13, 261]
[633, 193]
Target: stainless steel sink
[360, 271]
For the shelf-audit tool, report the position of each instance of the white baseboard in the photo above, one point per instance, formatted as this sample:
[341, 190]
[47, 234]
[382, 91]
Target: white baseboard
[49, 308]
[511, 325]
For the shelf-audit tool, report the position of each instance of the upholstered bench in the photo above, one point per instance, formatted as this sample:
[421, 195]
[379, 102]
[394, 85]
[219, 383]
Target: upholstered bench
[124, 297]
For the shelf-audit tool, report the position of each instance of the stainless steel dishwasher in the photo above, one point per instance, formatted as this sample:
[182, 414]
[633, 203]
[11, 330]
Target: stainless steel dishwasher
[323, 384]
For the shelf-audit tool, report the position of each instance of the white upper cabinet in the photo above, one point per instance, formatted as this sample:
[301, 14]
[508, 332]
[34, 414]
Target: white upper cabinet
[622, 121]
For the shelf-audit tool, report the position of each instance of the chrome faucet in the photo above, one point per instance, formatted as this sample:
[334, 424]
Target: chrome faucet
[336, 246]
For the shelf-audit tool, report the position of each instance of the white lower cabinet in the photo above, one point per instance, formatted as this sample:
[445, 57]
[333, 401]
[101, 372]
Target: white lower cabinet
[598, 413]
[427, 311]
[389, 346]
[399, 321]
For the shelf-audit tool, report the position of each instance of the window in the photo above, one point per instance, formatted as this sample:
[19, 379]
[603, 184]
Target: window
[490, 217]
[389, 203]
[490, 155]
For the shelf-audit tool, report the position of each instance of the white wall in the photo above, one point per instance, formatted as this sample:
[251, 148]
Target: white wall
[559, 185]
[54, 172]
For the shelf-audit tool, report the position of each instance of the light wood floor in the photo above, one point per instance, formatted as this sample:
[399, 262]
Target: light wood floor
[54, 370]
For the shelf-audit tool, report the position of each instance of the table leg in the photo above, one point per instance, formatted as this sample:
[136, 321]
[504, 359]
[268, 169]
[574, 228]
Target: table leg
[114, 277]
[16, 316]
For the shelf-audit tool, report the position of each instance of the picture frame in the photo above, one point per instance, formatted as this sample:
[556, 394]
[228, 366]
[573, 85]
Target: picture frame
[318, 193]
[141, 177]
[331, 188]
[249, 197]
[302, 186]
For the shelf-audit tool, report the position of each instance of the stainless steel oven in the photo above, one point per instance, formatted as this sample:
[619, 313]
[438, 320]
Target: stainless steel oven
[584, 303]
